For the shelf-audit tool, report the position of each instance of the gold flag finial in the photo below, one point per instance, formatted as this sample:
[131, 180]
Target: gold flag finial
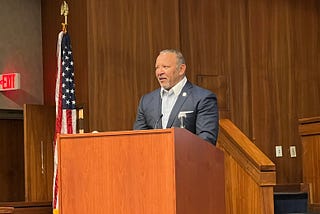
[64, 12]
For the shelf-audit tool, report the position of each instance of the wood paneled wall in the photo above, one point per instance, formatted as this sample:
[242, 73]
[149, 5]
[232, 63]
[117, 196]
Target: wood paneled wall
[124, 38]
[264, 53]
[259, 46]
[214, 40]
[278, 43]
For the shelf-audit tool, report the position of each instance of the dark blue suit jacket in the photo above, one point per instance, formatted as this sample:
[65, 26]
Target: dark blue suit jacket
[202, 121]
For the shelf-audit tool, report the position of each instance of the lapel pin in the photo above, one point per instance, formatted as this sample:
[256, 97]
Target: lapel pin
[184, 94]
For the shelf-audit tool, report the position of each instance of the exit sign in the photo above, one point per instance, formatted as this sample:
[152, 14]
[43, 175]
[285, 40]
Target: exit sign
[10, 81]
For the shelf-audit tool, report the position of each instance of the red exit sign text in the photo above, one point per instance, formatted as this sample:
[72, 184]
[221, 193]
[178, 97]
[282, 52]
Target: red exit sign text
[9, 81]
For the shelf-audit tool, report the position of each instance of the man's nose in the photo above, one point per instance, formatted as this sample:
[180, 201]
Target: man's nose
[160, 71]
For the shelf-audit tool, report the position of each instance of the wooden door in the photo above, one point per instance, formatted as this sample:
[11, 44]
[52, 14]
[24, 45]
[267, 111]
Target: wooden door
[11, 156]
[39, 129]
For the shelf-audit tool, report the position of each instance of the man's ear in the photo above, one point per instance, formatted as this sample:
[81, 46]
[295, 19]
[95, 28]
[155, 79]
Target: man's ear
[182, 69]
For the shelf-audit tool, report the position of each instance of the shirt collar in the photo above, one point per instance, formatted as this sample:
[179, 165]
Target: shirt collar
[176, 89]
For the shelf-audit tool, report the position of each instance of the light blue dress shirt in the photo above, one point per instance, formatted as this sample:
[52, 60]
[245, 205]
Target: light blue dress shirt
[169, 98]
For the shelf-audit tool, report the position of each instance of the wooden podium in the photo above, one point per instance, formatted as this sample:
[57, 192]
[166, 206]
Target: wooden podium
[169, 171]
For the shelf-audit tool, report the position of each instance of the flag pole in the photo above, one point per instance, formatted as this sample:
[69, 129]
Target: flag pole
[64, 12]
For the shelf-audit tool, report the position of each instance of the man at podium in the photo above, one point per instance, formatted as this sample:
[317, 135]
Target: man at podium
[178, 102]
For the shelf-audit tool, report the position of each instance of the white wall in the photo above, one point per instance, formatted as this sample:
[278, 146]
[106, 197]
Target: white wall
[21, 51]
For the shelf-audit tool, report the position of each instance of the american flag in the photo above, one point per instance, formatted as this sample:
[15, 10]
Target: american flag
[66, 120]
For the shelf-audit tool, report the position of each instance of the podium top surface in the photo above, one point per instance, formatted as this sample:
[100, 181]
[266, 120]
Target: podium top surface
[113, 133]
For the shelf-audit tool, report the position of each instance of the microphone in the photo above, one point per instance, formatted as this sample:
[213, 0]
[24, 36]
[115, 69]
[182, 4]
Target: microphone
[156, 123]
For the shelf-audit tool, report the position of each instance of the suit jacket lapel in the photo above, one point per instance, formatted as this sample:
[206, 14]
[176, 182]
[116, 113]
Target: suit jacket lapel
[184, 94]
[157, 106]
